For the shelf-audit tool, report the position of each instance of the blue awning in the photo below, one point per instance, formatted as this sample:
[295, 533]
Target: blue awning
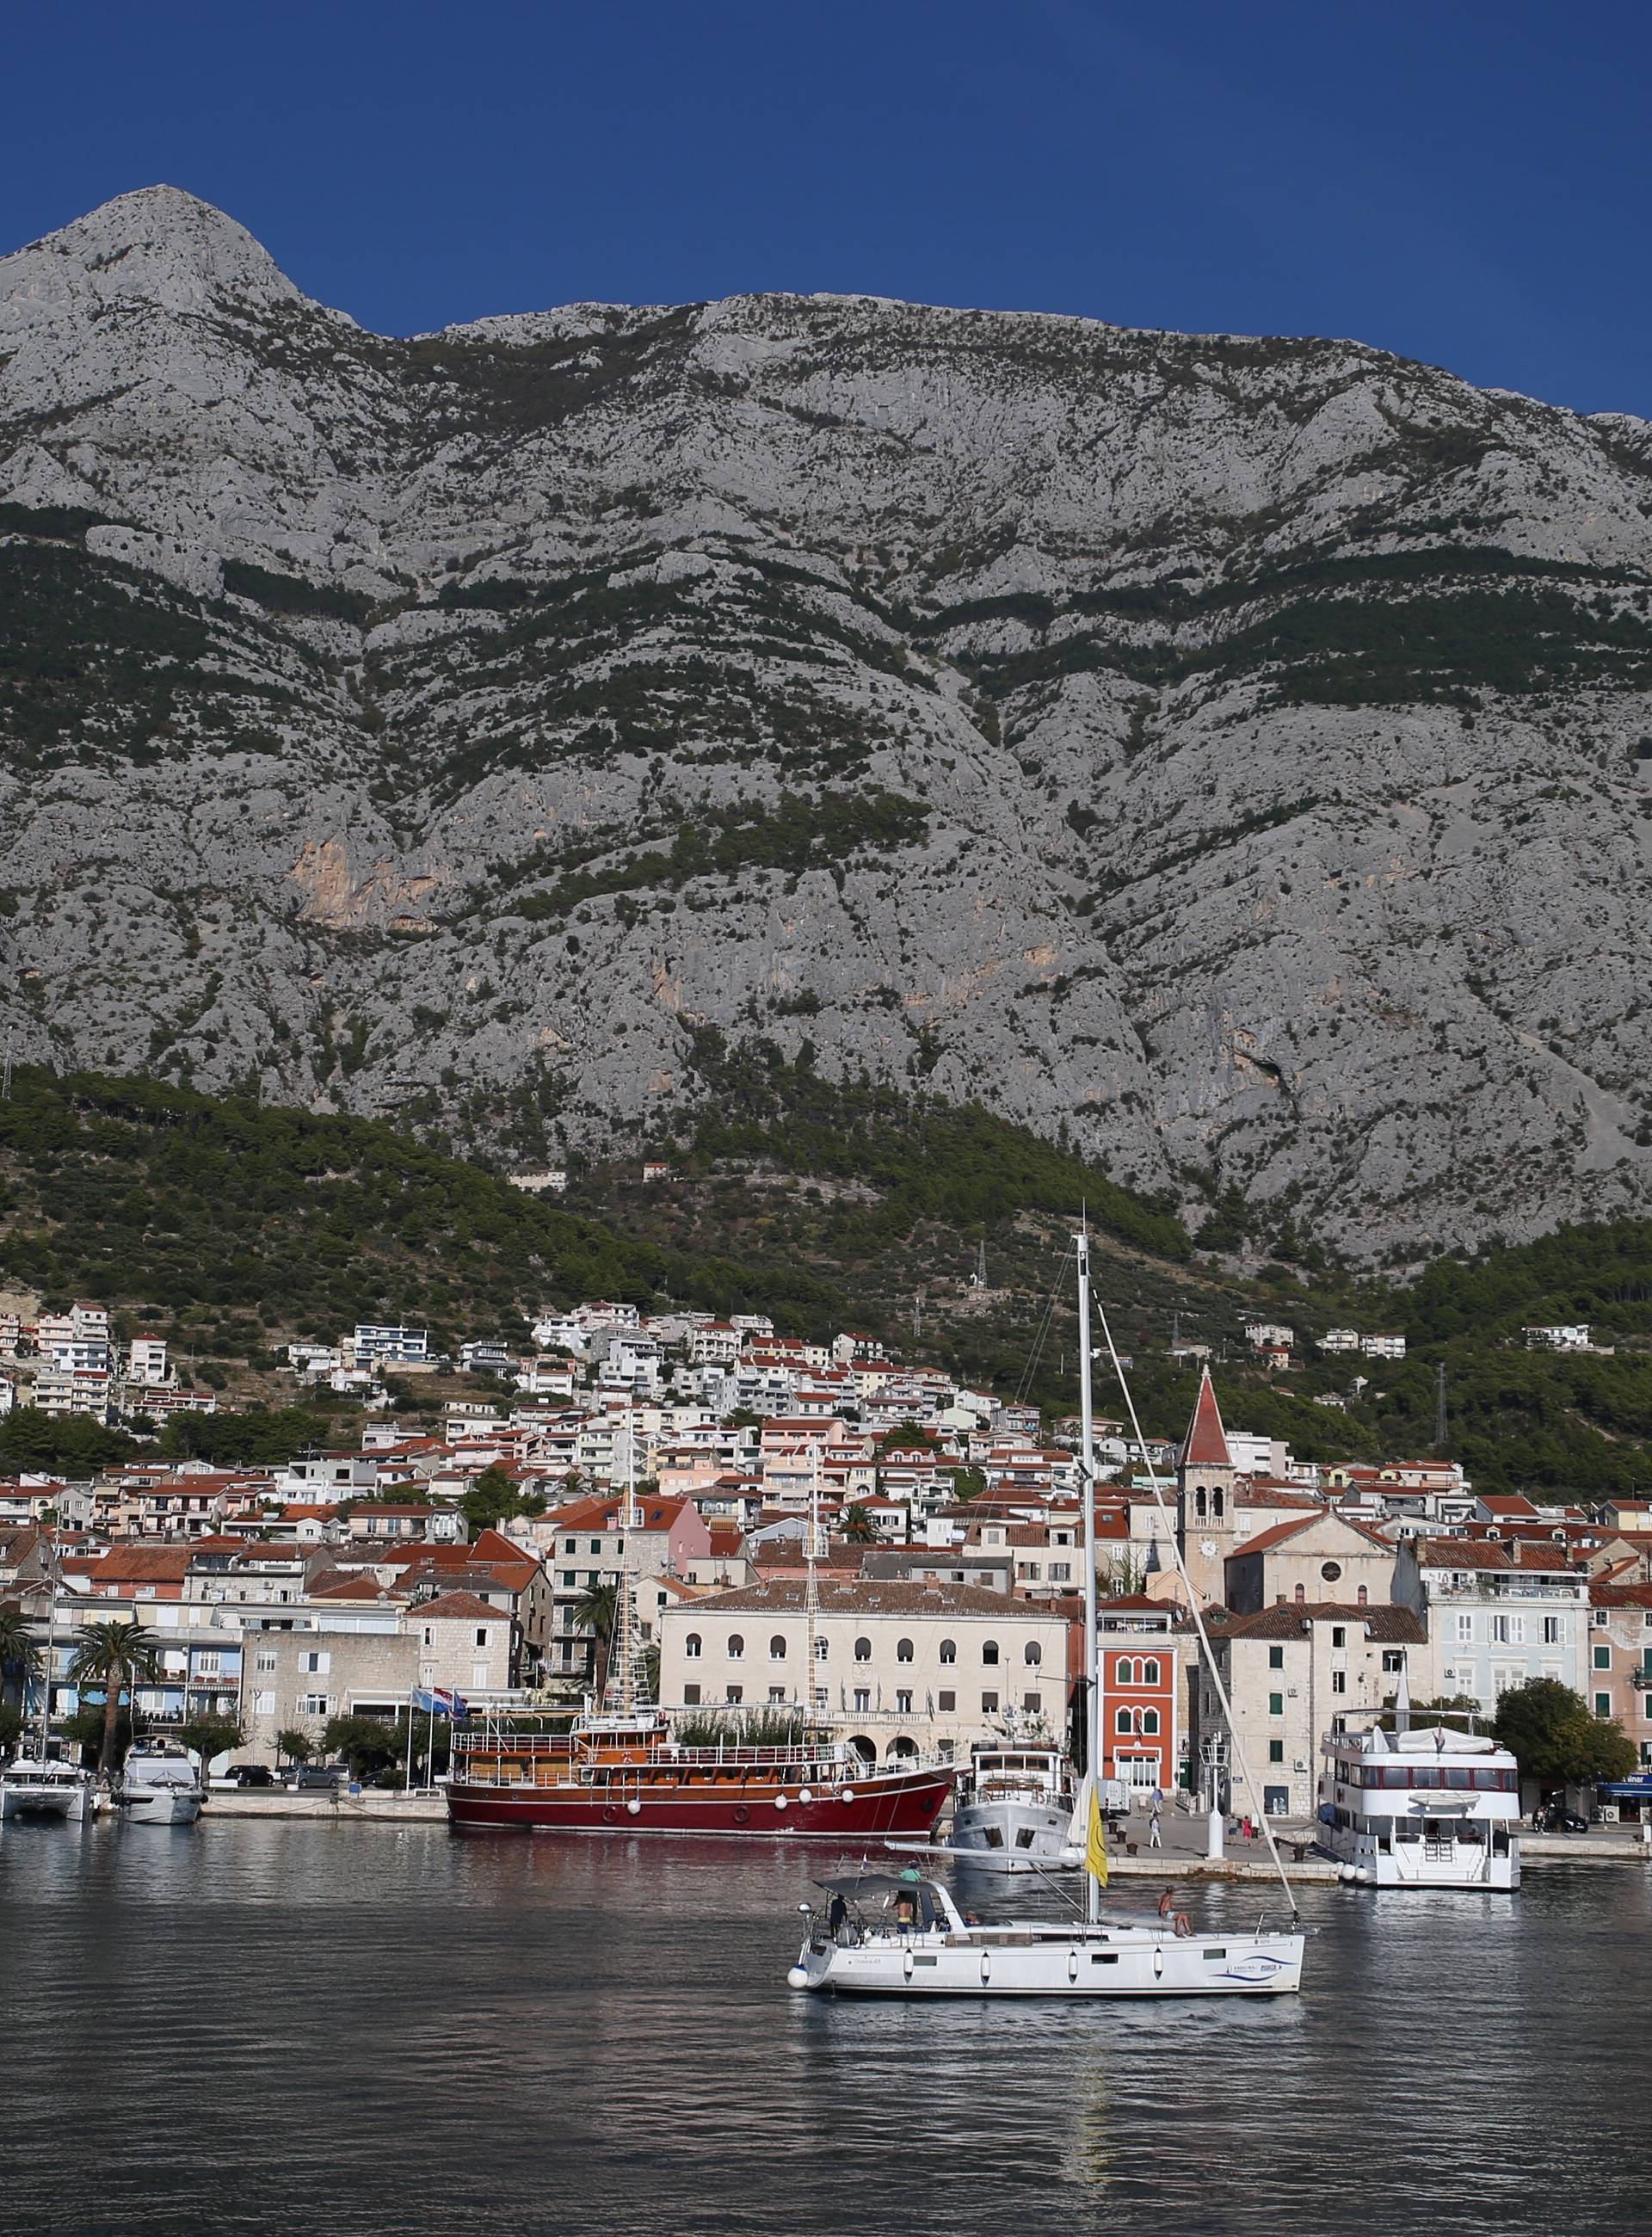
[1627, 1790]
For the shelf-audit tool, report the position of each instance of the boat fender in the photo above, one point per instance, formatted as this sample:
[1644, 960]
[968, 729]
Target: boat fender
[805, 1794]
[796, 1978]
[985, 1965]
[741, 1814]
[906, 1963]
[780, 1801]
[634, 1808]
[847, 1794]
[1158, 1961]
[1072, 1964]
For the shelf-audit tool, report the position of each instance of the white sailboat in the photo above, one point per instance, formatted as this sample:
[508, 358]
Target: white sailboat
[40, 1786]
[901, 1935]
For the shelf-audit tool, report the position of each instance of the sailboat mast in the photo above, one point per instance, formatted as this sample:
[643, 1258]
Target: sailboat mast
[51, 1642]
[811, 1589]
[1086, 1471]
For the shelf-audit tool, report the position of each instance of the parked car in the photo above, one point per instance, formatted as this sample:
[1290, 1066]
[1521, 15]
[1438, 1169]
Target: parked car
[317, 1778]
[1555, 1817]
[252, 1774]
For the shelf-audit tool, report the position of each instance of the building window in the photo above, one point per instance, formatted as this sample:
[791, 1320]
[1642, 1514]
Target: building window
[949, 1650]
[1602, 1704]
[1331, 1571]
[1603, 1658]
[690, 1696]
[264, 1659]
[989, 1652]
[1061, 1572]
[692, 1647]
[1393, 1660]
[903, 1701]
[776, 1648]
[1150, 1671]
[822, 1646]
[990, 1704]
[904, 1650]
[1123, 1722]
[1149, 1725]
[1554, 1632]
[736, 1647]
[1362, 1598]
[863, 1699]
[1124, 1671]
[1275, 1704]
[1339, 1681]
[946, 1702]
[863, 1650]
[734, 1695]
[263, 1705]
[481, 1636]
[1276, 1751]
[1339, 1635]
[1032, 1703]
[1500, 1631]
[1035, 1654]
[1301, 1596]
[777, 1693]
[1276, 1658]
[1465, 1628]
[315, 1705]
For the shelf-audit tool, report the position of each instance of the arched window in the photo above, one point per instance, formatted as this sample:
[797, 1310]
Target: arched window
[736, 1647]
[904, 1650]
[989, 1650]
[1149, 1723]
[1216, 1502]
[1121, 1723]
[821, 1647]
[692, 1647]
[949, 1650]
[1300, 1595]
[863, 1650]
[1198, 1504]
[776, 1648]
[1363, 1597]
[1127, 1671]
[1035, 1654]
[1150, 1672]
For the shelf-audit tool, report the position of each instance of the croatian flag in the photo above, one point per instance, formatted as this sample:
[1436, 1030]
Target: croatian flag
[439, 1701]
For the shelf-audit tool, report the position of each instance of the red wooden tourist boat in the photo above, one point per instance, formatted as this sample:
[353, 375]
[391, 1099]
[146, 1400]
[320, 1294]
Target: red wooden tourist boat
[626, 1774]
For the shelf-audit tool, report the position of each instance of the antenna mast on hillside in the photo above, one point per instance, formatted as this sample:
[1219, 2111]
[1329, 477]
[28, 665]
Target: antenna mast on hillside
[1439, 1409]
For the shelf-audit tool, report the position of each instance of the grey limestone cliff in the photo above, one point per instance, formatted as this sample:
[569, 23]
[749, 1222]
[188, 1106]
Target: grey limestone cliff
[1234, 752]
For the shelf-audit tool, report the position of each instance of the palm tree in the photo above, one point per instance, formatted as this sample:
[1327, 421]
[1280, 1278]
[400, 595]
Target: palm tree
[859, 1529]
[114, 1655]
[20, 1657]
[595, 1610]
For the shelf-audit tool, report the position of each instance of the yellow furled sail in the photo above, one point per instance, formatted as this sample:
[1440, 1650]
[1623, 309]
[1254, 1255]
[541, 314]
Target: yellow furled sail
[1095, 1851]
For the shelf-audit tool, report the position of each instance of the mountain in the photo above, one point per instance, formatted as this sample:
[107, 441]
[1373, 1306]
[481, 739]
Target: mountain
[1230, 757]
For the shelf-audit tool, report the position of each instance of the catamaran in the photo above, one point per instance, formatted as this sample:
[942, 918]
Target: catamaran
[901, 1935]
[41, 1787]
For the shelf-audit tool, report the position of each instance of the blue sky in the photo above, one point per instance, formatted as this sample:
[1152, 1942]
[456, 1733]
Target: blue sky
[1462, 181]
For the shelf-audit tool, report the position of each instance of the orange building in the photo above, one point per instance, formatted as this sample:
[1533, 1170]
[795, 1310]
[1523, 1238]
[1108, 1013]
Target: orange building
[1137, 1652]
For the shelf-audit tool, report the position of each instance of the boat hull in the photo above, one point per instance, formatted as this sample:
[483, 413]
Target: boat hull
[1475, 1867]
[758, 1809]
[1198, 1965]
[158, 1807]
[42, 1803]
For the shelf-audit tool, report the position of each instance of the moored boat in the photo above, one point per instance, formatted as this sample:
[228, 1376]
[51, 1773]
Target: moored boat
[626, 1774]
[44, 1789]
[1421, 1808]
[159, 1785]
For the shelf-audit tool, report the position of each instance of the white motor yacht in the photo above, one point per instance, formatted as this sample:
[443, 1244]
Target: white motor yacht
[159, 1785]
[1014, 1811]
[1421, 1808]
[901, 1935]
[33, 1789]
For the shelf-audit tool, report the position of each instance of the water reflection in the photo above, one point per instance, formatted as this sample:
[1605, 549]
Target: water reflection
[263, 2026]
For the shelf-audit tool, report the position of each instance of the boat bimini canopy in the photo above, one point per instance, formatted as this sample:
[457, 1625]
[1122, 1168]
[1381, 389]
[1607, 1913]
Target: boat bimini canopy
[930, 1902]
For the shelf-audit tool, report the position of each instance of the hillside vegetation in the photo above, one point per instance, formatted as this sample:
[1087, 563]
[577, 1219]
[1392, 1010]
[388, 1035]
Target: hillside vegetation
[234, 1226]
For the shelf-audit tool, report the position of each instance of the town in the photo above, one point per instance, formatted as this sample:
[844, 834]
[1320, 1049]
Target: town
[712, 1467]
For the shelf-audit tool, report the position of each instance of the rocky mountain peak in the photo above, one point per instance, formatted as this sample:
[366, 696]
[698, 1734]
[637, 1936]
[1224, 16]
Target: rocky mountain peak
[1232, 755]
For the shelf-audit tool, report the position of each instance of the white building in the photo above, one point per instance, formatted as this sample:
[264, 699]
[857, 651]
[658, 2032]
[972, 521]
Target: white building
[146, 1360]
[1498, 1614]
[1383, 1345]
[1339, 1340]
[376, 1340]
[1563, 1336]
